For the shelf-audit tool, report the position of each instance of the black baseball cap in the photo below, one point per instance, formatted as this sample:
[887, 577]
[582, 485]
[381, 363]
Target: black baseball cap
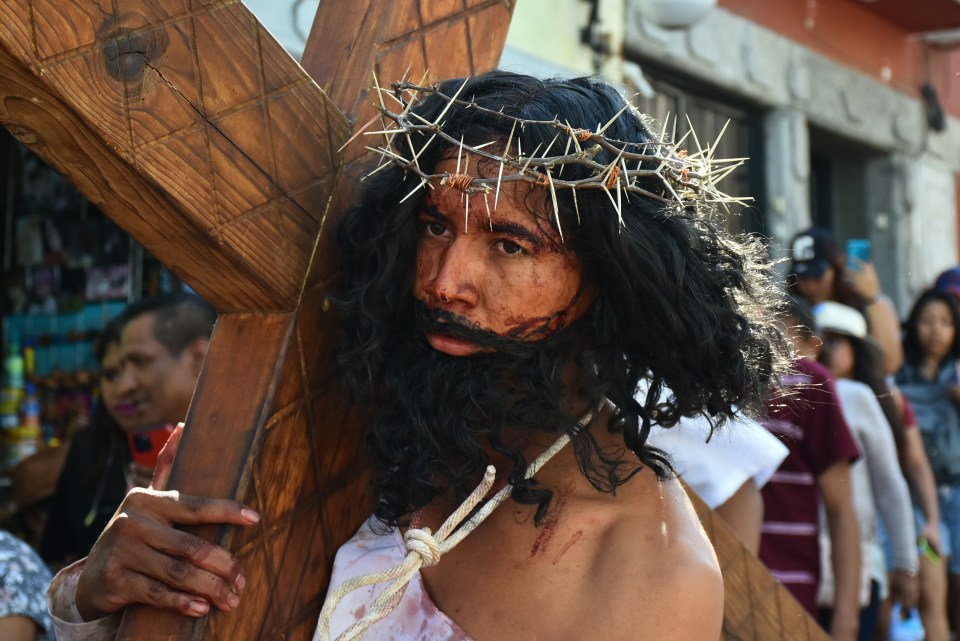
[813, 251]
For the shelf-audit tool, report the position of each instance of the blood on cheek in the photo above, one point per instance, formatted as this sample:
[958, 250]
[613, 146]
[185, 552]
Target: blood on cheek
[527, 295]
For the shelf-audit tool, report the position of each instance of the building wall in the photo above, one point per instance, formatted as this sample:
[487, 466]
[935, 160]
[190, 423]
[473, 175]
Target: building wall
[909, 195]
[876, 48]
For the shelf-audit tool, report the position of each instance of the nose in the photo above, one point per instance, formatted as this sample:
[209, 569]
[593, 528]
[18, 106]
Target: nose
[126, 382]
[452, 274]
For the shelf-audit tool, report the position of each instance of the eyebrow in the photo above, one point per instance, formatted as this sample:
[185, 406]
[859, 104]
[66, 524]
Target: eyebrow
[513, 229]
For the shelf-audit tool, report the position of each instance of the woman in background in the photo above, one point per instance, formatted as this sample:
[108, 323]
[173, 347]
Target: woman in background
[93, 481]
[929, 380]
[878, 484]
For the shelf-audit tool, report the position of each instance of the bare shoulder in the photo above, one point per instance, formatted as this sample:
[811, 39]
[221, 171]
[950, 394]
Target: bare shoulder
[666, 582]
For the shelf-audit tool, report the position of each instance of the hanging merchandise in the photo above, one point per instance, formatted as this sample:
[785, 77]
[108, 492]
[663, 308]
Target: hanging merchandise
[11, 394]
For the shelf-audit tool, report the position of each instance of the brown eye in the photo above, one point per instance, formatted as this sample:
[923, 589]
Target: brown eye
[434, 228]
[510, 248]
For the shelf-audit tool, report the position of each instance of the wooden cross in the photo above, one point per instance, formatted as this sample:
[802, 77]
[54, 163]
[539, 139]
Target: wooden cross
[190, 126]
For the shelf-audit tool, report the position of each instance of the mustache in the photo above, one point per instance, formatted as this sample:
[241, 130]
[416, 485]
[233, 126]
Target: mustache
[430, 320]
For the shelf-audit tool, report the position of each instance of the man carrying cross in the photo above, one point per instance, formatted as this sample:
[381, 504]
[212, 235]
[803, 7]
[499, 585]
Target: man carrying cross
[528, 253]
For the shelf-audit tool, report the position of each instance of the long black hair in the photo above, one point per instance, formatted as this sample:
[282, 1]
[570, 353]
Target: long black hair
[678, 302]
[104, 429]
[912, 350]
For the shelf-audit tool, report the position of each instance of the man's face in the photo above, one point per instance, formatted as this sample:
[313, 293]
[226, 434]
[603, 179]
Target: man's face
[816, 290]
[509, 274]
[154, 387]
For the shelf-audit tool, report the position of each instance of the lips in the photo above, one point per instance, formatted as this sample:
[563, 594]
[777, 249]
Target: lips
[126, 409]
[453, 346]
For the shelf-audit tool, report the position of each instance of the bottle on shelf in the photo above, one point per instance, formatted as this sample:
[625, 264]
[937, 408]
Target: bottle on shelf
[11, 394]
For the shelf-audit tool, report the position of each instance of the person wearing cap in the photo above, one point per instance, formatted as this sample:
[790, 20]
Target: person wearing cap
[949, 282]
[877, 482]
[820, 272]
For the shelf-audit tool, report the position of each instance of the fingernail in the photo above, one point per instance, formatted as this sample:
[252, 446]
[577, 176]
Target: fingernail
[240, 582]
[250, 515]
[199, 607]
[233, 600]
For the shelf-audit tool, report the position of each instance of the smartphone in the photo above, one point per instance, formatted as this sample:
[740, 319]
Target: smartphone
[927, 550]
[858, 251]
[145, 446]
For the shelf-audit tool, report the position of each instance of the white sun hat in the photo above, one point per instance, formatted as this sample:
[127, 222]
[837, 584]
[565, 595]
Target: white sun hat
[846, 321]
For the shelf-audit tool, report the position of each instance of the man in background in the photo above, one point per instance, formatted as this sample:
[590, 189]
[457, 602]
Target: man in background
[150, 358]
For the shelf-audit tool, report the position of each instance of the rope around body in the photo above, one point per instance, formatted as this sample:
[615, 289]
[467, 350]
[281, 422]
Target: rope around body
[424, 549]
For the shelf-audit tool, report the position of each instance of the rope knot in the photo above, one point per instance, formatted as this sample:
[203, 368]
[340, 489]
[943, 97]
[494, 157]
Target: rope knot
[423, 543]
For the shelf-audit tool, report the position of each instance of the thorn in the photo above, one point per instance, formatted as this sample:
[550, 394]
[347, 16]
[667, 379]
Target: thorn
[358, 132]
[663, 130]
[496, 196]
[466, 192]
[566, 152]
[447, 107]
[614, 119]
[573, 136]
[546, 151]
[696, 140]
[576, 207]
[623, 163]
[613, 202]
[619, 205]
[506, 153]
[423, 182]
[556, 209]
[523, 170]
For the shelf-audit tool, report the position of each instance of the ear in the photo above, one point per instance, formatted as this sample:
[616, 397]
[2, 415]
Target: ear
[196, 351]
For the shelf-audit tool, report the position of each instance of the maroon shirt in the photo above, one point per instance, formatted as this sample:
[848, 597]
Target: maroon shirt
[806, 417]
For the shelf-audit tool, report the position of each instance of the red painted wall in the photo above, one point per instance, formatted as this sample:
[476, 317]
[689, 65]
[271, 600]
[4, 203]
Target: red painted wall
[850, 34]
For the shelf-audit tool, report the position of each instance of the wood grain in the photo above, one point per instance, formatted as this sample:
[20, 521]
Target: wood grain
[434, 39]
[195, 106]
[757, 607]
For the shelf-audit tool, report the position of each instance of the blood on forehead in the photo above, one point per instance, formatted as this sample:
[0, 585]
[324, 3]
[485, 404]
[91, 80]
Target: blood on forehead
[514, 204]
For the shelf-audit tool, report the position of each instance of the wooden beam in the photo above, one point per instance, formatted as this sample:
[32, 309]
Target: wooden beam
[350, 42]
[190, 127]
[757, 607]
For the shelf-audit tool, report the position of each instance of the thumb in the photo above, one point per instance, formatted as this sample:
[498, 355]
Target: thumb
[165, 459]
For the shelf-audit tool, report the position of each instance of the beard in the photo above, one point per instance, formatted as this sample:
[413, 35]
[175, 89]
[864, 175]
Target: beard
[440, 416]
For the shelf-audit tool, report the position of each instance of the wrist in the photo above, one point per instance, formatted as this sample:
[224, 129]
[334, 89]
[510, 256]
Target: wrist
[873, 300]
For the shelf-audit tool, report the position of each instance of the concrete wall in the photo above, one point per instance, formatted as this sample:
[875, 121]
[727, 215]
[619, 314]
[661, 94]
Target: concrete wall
[909, 207]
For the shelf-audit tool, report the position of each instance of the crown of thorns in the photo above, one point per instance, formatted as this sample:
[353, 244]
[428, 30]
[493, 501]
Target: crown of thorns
[688, 179]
